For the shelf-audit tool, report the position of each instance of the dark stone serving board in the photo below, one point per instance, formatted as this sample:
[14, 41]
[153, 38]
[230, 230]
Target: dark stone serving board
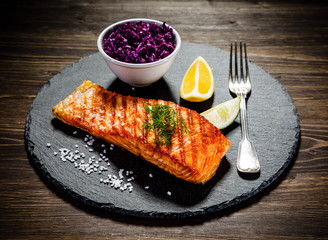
[273, 127]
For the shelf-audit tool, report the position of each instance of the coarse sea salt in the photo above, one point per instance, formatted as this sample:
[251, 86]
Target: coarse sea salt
[92, 165]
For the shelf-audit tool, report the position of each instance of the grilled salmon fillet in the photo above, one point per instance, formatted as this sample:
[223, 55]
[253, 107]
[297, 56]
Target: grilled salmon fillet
[193, 155]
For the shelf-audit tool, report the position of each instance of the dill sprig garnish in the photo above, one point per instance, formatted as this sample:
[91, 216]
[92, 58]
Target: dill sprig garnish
[162, 119]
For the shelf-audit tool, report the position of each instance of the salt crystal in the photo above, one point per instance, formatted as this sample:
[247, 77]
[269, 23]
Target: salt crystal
[120, 173]
[70, 156]
[130, 179]
[116, 183]
[64, 151]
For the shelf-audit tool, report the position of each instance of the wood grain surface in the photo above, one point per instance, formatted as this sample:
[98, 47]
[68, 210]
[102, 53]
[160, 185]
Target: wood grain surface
[288, 39]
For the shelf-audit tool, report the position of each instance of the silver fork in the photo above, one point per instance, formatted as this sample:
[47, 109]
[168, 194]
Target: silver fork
[247, 160]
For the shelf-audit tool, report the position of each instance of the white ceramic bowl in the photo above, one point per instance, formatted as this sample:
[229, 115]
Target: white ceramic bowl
[138, 74]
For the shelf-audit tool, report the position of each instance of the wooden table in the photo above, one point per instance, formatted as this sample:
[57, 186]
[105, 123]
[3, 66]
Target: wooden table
[289, 40]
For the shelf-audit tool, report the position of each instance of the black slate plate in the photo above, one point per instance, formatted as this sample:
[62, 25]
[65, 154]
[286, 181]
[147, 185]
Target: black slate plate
[273, 126]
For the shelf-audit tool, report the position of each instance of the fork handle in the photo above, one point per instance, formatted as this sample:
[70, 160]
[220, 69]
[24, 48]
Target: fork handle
[247, 160]
[243, 117]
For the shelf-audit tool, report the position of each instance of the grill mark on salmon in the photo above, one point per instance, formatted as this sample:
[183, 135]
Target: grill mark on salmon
[201, 141]
[193, 156]
[99, 118]
[145, 132]
[134, 113]
[118, 115]
[178, 130]
[123, 117]
[106, 113]
[140, 131]
[192, 149]
[113, 113]
[110, 110]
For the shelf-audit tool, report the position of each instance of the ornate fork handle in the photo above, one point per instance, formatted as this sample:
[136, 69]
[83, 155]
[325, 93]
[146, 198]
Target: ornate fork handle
[247, 160]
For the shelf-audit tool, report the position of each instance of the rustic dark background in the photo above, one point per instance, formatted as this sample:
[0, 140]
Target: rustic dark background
[289, 39]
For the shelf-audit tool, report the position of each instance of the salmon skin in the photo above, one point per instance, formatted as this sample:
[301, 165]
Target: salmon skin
[193, 155]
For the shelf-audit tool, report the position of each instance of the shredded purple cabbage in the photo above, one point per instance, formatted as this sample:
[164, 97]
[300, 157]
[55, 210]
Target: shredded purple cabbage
[140, 42]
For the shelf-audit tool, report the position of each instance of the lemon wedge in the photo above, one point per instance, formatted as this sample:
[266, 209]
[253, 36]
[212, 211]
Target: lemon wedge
[223, 114]
[198, 82]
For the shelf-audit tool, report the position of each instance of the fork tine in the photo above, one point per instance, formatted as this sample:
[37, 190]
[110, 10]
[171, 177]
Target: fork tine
[236, 67]
[246, 62]
[230, 65]
[241, 64]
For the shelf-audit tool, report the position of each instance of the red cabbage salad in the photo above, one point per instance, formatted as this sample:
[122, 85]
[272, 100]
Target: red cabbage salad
[140, 42]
